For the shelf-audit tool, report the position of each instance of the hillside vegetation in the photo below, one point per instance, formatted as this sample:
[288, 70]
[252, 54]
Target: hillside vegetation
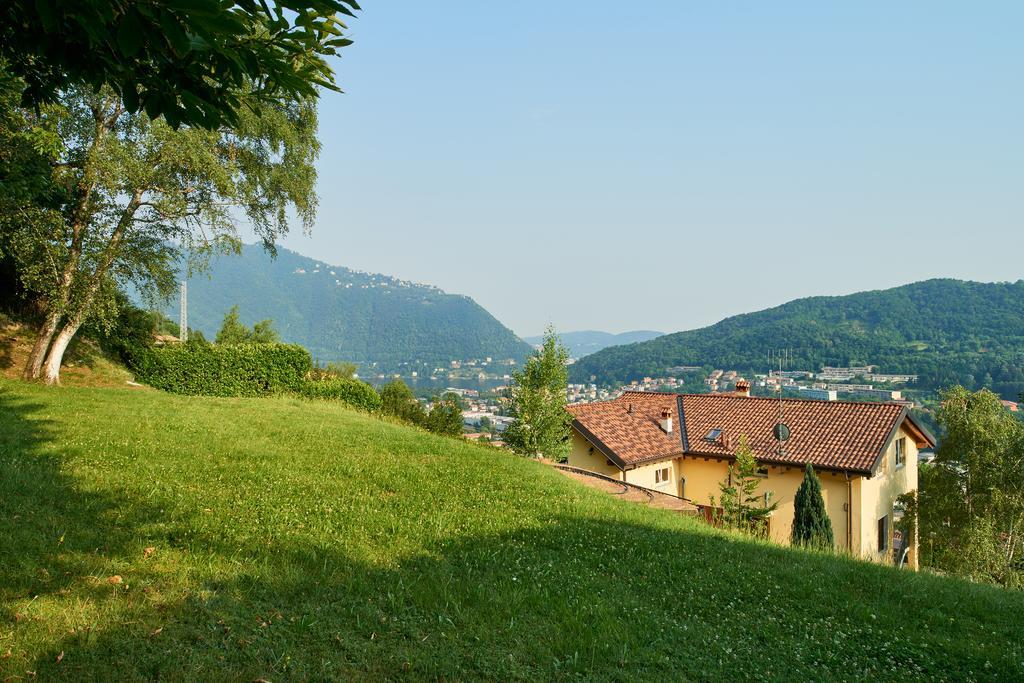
[341, 314]
[85, 364]
[947, 331]
[146, 536]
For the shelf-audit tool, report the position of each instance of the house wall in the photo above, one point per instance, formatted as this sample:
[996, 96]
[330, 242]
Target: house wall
[877, 496]
[704, 476]
[584, 456]
[645, 476]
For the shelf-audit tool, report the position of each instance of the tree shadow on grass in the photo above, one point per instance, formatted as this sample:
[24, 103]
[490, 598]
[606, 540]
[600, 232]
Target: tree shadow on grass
[55, 538]
[580, 597]
[7, 341]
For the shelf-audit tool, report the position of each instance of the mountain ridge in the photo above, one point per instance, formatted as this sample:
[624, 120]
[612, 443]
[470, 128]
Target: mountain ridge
[342, 314]
[945, 330]
[585, 342]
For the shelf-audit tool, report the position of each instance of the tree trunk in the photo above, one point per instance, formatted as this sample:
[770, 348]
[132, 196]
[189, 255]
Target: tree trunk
[51, 370]
[34, 364]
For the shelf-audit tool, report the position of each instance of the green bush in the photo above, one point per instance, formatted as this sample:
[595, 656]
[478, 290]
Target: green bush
[212, 370]
[351, 391]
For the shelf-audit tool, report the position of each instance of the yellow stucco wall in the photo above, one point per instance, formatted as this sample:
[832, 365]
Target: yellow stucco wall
[645, 476]
[704, 476]
[878, 494]
[582, 455]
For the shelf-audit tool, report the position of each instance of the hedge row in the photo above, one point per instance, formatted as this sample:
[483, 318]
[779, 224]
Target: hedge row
[351, 391]
[219, 370]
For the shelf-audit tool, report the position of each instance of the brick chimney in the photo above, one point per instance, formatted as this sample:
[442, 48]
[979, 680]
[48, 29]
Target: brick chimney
[742, 387]
[666, 420]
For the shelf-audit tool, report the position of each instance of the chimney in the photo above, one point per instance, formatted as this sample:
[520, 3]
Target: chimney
[666, 420]
[629, 408]
[742, 387]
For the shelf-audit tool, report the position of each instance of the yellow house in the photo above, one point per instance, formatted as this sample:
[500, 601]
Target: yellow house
[865, 455]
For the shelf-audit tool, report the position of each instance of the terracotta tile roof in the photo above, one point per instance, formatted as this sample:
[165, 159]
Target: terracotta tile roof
[836, 435]
[630, 436]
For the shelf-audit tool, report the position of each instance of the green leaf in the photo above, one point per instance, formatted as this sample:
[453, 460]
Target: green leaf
[175, 34]
[47, 14]
[129, 34]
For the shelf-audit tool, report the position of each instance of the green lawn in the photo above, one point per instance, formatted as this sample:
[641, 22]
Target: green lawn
[281, 539]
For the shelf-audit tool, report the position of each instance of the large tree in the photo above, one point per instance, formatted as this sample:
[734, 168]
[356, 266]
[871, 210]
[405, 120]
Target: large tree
[138, 195]
[537, 402]
[194, 62]
[971, 501]
[812, 527]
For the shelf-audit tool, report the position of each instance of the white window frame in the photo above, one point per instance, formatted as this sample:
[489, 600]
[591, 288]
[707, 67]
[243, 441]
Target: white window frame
[662, 475]
[900, 453]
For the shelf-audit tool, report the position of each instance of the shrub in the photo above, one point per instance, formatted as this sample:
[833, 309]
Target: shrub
[351, 391]
[242, 370]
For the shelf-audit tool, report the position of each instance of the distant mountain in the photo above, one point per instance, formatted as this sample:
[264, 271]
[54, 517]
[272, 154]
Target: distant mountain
[585, 342]
[945, 331]
[343, 314]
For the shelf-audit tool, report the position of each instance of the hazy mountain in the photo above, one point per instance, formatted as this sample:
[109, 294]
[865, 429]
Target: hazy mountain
[585, 342]
[946, 331]
[343, 314]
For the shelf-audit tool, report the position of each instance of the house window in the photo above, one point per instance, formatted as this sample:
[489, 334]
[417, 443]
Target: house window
[901, 452]
[713, 435]
[662, 474]
[883, 534]
[762, 472]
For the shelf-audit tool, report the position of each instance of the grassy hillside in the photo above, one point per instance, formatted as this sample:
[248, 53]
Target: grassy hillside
[144, 535]
[946, 331]
[342, 314]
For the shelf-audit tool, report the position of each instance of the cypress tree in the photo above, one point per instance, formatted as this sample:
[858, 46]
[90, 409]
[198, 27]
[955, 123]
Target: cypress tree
[811, 526]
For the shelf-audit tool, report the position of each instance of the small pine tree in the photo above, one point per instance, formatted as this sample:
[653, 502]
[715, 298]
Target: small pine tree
[811, 526]
[232, 330]
[743, 508]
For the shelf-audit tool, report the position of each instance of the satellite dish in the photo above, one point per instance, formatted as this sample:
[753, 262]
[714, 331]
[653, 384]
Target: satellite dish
[781, 431]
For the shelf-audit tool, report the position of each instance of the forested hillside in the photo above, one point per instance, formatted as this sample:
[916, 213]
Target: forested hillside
[946, 331]
[342, 314]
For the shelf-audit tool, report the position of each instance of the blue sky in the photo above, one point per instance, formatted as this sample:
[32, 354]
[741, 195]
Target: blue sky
[662, 165]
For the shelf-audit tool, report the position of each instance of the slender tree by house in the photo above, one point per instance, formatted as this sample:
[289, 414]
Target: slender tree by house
[812, 527]
[537, 402]
[971, 500]
[743, 508]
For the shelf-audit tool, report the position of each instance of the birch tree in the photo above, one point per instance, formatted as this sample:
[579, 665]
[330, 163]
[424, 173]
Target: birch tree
[140, 196]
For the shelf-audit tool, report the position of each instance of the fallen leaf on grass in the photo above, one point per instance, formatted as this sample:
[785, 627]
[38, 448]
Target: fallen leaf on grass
[115, 580]
[148, 552]
[156, 632]
[60, 656]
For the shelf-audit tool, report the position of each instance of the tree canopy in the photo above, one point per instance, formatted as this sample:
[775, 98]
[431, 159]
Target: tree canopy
[971, 500]
[537, 402]
[127, 197]
[234, 331]
[195, 62]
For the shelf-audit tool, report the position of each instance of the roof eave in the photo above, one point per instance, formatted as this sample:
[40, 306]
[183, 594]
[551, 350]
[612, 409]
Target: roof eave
[779, 463]
[598, 444]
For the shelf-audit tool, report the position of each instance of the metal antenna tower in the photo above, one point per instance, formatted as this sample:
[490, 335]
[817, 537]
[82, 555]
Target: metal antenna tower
[183, 318]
